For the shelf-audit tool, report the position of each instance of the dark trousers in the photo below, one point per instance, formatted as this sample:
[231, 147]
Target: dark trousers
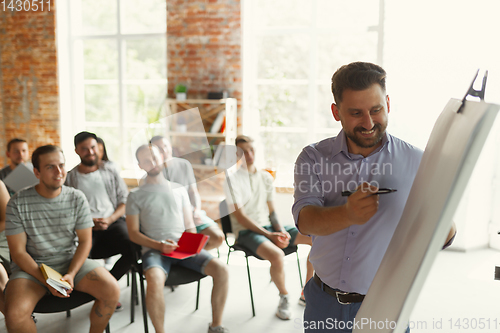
[324, 314]
[113, 241]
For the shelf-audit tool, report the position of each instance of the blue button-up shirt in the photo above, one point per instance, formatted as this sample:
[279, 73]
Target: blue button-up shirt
[348, 259]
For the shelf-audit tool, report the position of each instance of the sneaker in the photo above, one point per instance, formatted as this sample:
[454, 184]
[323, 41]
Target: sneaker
[302, 299]
[218, 329]
[119, 307]
[283, 311]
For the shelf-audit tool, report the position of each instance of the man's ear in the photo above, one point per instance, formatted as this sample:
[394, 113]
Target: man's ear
[335, 112]
[388, 103]
[36, 172]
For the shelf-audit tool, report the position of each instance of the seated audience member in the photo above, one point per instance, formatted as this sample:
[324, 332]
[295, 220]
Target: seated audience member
[44, 223]
[181, 171]
[107, 194]
[102, 154]
[17, 152]
[4, 248]
[158, 212]
[254, 221]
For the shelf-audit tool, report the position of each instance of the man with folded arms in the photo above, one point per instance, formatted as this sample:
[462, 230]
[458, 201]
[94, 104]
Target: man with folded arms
[43, 225]
[107, 194]
[158, 212]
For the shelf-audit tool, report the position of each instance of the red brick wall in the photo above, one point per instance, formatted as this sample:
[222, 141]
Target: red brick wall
[29, 106]
[204, 46]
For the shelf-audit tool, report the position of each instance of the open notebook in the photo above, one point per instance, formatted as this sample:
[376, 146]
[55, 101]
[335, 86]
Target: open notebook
[189, 245]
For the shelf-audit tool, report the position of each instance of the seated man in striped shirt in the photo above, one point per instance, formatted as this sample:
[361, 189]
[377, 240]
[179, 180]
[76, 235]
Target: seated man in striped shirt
[43, 224]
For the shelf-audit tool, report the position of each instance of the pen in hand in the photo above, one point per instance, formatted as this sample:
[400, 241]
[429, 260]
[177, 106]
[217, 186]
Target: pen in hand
[380, 191]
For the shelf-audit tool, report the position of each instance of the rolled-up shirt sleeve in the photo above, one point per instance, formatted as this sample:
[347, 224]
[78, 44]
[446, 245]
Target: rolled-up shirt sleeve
[307, 183]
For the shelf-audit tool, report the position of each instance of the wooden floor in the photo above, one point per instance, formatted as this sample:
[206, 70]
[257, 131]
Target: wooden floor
[460, 287]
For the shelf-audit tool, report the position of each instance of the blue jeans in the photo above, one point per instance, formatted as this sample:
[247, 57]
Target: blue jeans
[324, 313]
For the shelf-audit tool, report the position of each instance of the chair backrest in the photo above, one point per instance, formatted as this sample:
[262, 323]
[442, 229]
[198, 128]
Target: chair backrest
[225, 220]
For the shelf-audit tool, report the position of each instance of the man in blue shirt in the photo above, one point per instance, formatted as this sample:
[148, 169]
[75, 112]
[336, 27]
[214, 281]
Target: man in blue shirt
[351, 234]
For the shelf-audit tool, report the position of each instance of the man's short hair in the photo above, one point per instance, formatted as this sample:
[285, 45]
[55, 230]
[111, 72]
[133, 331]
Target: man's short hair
[15, 140]
[47, 149]
[156, 138]
[242, 139]
[141, 148]
[356, 76]
[82, 136]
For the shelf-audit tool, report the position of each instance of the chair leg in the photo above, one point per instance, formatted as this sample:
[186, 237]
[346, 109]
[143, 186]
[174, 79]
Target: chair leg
[128, 278]
[250, 287]
[107, 329]
[300, 273]
[228, 253]
[143, 300]
[197, 295]
[133, 297]
[68, 313]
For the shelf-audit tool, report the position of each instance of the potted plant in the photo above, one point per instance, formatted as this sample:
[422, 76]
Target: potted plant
[180, 92]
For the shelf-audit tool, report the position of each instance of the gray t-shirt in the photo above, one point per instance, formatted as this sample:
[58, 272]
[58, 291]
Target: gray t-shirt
[50, 224]
[159, 207]
[92, 185]
[180, 171]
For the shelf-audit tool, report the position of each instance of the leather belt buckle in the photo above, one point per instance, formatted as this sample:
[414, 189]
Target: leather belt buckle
[340, 293]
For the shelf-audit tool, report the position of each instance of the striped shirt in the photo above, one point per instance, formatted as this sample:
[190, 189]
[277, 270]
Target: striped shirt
[50, 224]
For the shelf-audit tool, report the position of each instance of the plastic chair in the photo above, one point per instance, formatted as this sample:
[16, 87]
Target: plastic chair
[178, 275]
[52, 304]
[227, 229]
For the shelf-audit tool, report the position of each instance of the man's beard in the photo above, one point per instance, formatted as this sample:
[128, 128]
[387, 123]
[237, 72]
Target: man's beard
[87, 162]
[365, 143]
[154, 172]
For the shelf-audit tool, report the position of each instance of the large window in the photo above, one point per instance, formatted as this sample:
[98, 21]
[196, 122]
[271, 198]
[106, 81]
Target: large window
[118, 79]
[292, 48]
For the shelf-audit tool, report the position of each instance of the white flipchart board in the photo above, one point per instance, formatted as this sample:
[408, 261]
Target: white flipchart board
[449, 158]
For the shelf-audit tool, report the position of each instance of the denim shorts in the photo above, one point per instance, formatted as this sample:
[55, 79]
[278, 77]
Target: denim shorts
[252, 240]
[154, 258]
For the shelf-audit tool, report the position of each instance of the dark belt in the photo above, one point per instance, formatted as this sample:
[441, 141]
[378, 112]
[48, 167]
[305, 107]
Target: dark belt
[342, 297]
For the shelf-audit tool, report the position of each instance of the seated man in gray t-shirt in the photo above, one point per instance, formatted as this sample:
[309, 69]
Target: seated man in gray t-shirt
[180, 170]
[158, 212]
[43, 225]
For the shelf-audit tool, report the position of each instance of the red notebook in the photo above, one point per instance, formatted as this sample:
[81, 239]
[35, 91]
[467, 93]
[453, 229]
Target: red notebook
[189, 245]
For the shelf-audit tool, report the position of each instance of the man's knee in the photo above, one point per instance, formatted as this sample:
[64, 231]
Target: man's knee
[218, 238]
[155, 278]
[217, 269]
[110, 289]
[17, 310]
[100, 284]
[271, 252]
